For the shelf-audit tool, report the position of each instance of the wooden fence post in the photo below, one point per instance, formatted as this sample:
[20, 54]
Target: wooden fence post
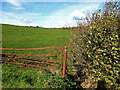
[64, 61]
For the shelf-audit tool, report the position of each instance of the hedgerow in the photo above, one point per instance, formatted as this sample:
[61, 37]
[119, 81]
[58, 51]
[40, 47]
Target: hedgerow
[96, 46]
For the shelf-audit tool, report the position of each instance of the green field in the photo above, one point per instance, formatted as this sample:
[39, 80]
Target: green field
[32, 37]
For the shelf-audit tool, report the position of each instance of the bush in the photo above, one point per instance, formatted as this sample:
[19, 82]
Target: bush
[96, 46]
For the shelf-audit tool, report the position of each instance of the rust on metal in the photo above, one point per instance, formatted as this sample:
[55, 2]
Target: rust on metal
[27, 58]
[64, 61]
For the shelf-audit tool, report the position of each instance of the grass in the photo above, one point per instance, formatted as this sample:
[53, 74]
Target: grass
[31, 37]
[14, 77]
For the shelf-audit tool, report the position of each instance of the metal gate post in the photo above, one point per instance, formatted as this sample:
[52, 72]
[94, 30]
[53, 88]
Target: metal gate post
[64, 61]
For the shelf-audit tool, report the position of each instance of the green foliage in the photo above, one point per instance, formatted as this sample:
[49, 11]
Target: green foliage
[14, 77]
[96, 45]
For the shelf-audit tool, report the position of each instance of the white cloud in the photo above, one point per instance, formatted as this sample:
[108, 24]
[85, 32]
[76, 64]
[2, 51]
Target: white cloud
[58, 21]
[27, 20]
[54, 23]
[69, 12]
[77, 13]
[11, 17]
[60, 18]
[14, 2]
[27, 24]
[18, 8]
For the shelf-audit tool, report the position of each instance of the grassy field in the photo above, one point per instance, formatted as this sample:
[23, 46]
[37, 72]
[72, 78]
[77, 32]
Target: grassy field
[31, 37]
[14, 77]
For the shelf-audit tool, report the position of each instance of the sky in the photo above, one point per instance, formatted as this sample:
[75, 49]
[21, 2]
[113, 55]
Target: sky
[48, 14]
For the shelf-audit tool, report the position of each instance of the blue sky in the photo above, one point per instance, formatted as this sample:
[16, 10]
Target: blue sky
[45, 14]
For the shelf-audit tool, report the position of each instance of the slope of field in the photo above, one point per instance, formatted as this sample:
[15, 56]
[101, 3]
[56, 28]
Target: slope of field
[33, 37]
[29, 37]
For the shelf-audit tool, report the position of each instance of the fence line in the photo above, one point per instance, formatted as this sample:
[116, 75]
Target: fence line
[26, 58]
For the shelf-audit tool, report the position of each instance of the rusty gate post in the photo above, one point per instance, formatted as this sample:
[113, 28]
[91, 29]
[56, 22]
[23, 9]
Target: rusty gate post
[64, 61]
